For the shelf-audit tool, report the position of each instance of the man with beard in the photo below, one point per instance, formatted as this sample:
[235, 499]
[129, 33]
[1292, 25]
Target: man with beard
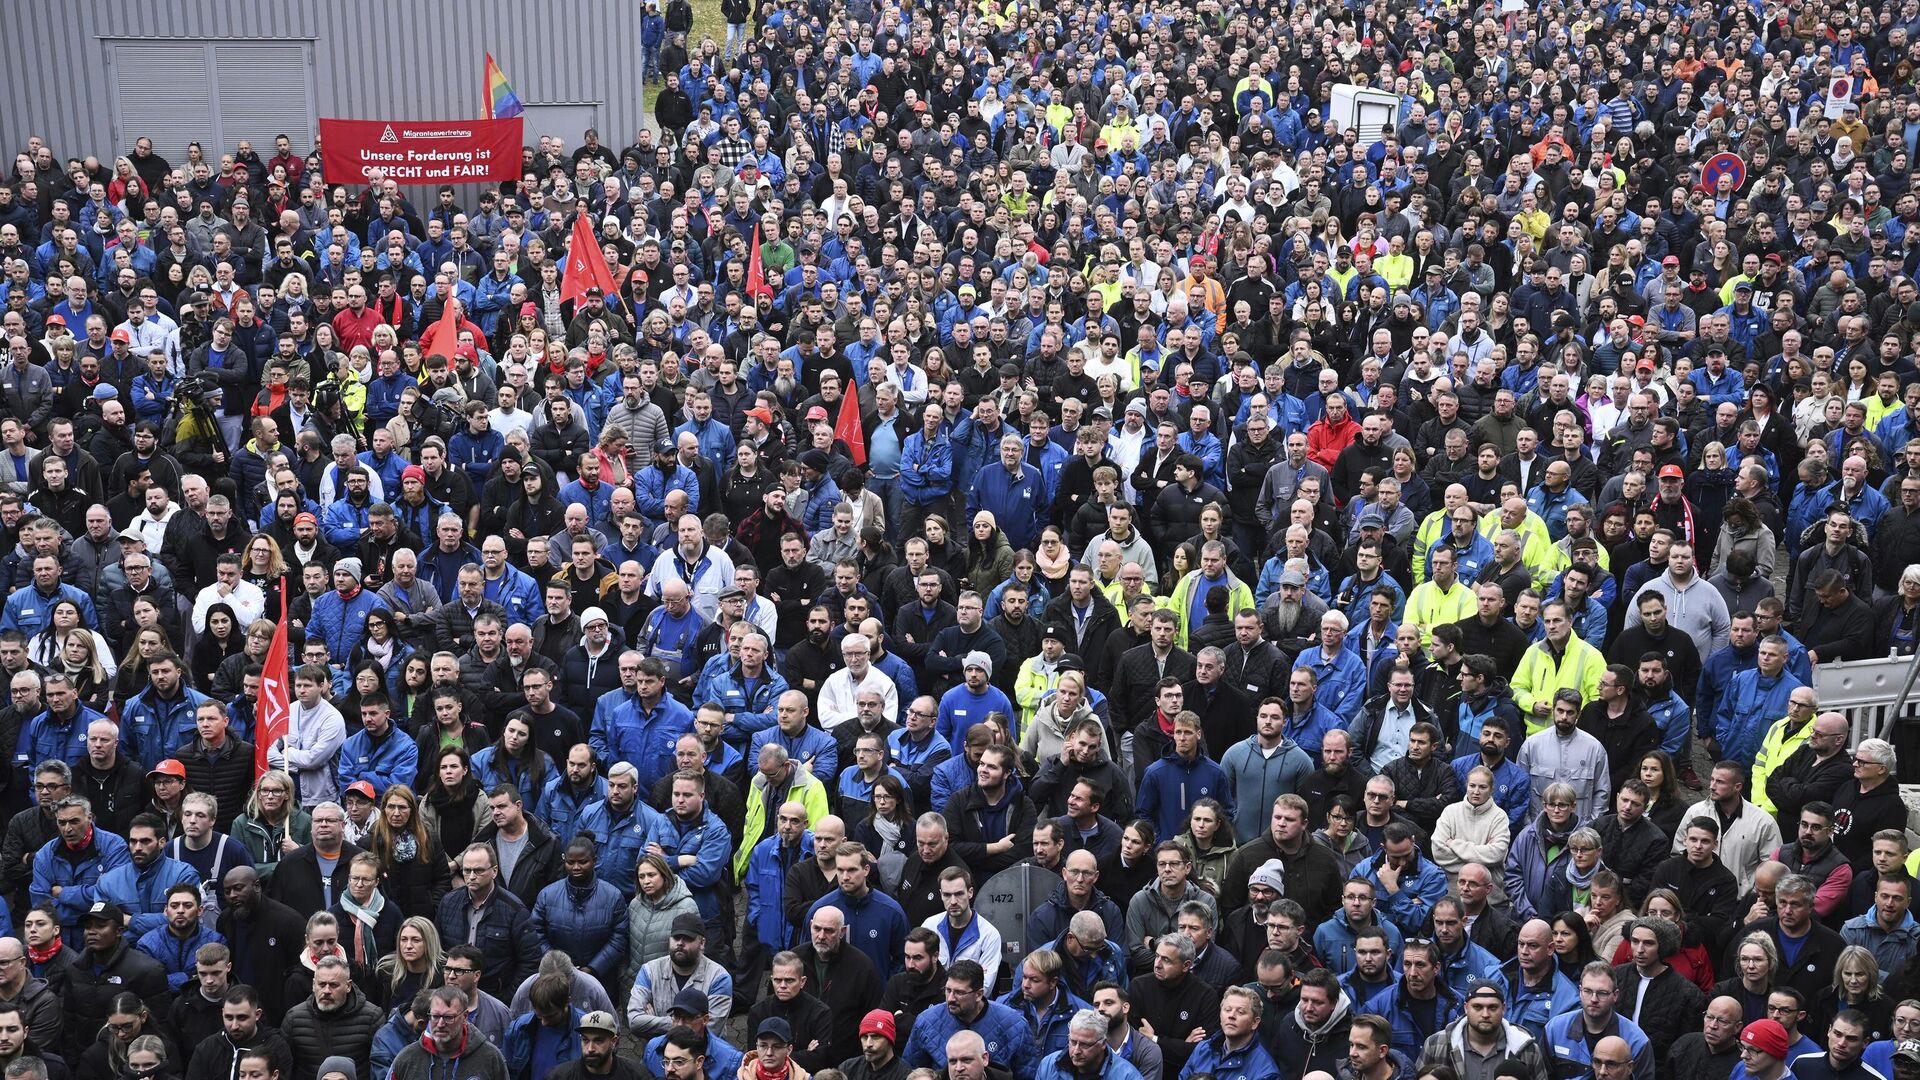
[1483, 1033]
[599, 1052]
[243, 1033]
[846, 978]
[1291, 615]
[1336, 776]
[920, 985]
[877, 1059]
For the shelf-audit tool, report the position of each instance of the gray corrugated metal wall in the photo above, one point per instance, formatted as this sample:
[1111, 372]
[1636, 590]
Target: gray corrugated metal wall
[399, 59]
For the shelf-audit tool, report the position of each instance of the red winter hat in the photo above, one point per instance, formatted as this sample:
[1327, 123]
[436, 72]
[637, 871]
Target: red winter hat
[880, 1022]
[1766, 1036]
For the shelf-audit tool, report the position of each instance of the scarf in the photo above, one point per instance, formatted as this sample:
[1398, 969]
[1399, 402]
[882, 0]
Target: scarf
[1580, 881]
[43, 955]
[365, 918]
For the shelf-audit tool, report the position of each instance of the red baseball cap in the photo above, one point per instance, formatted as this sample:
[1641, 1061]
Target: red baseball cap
[169, 767]
[818, 412]
[1672, 472]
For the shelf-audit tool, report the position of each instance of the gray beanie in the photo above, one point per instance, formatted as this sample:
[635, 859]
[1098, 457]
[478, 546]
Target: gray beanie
[337, 1064]
[351, 565]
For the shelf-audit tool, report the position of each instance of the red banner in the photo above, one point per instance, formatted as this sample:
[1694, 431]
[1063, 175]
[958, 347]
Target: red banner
[274, 708]
[421, 151]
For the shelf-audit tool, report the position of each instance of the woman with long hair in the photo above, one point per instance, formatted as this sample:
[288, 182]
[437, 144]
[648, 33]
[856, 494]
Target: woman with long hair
[149, 641]
[128, 1020]
[1572, 943]
[411, 696]
[659, 898]
[1667, 807]
[514, 759]
[222, 638]
[383, 645]
[46, 647]
[943, 552]
[85, 661]
[416, 963]
[455, 805]
[1756, 971]
[1209, 839]
[412, 861]
[365, 682]
[273, 825]
[264, 565]
[887, 831]
[989, 557]
[1856, 986]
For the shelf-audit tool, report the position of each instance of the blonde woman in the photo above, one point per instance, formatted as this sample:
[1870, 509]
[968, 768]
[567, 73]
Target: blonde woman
[1056, 718]
[273, 825]
[1474, 830]
[416, 962]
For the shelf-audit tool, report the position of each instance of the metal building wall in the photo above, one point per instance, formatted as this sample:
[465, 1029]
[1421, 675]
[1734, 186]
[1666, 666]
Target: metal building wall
[401, 59]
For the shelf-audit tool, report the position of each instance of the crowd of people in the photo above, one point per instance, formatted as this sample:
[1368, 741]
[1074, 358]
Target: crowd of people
[1378, 574]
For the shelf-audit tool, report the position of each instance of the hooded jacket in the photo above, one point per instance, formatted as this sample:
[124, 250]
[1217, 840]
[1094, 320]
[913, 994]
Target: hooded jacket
[649, 923]
[1304, 1048]
[469, 1057]
[1449, 1048]
[1257, 775]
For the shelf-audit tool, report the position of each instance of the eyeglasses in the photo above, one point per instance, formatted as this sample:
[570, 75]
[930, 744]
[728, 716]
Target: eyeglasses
[451, 971]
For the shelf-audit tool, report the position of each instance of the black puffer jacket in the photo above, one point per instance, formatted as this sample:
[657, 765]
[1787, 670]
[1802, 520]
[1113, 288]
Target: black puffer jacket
[316, 1036]
[91, 990]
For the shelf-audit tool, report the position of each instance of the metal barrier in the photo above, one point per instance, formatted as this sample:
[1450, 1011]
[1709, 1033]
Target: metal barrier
[1869, 693]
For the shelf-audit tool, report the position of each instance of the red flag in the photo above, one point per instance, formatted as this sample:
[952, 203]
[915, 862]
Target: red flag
[756, 273]
[276, 699]
[847, 428]
[586, 263]
[444, 335]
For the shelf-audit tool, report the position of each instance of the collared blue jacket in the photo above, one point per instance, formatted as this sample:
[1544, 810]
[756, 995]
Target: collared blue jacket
[1512, 787]
[707, 839]
[1342, 684]
[1408, 1037]
[1214, 1058]
[812, 747]
[645, 738]
[933, 478]
[175, 953]
[516, 591]
[152, 727]
[752, 709]
[46, 739]
[1005, 1032]
[621, 838]
[384, 762]
[1420, 887]
[78, 878]
[1532, 1007]
[142, 893]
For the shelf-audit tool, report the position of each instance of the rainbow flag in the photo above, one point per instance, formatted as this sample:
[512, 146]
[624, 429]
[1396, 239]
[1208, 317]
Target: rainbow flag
[501, 102]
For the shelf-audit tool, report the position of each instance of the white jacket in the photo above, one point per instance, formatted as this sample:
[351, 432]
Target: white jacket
[1754, 837]
[1467, 833]
[311, 752]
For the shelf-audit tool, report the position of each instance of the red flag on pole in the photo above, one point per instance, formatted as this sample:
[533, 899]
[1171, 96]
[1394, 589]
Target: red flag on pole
[847, 428]
[756, 273]
[276, 698]
[586, 263]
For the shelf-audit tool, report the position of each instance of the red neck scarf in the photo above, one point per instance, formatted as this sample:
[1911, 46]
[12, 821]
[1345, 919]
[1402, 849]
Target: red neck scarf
[41, 956]
[761, 1072]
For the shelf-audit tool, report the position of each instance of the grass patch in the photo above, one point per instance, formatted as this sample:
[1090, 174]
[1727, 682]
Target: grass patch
[706, 21]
